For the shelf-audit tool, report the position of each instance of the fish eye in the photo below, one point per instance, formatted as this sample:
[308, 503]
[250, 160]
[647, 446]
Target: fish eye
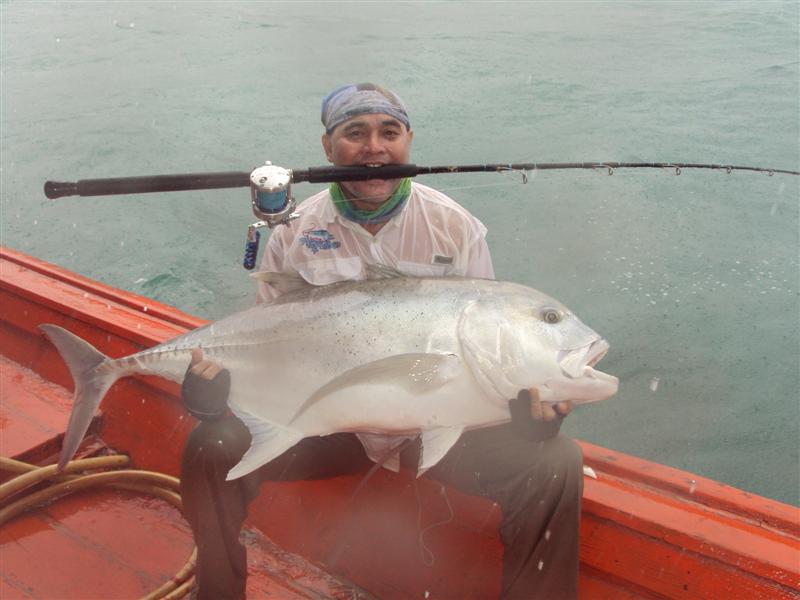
[550, 315]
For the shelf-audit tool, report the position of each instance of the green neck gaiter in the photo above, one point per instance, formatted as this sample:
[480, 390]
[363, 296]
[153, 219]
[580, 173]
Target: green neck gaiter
[369, 217]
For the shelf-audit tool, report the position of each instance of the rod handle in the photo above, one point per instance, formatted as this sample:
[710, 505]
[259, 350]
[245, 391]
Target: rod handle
[59, 189]
[148, 184]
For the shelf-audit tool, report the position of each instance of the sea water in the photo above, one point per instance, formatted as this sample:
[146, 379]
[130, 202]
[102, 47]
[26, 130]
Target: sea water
[693, 278]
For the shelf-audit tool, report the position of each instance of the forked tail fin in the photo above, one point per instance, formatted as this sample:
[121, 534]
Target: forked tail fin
[91, 384]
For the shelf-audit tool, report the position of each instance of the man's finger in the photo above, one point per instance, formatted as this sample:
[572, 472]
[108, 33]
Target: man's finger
[536, 405]
[197, 356]
[563, 408]
[206, 369]
[548, 412]
[210, 369]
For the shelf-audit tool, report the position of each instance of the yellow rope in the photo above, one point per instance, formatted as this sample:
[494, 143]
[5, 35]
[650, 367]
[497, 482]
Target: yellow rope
[73, 479]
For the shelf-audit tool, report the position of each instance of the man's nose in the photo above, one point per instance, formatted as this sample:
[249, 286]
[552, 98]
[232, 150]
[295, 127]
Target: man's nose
[373, 143]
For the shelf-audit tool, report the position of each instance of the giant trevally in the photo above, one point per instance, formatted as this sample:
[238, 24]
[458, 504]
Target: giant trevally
[387, 357]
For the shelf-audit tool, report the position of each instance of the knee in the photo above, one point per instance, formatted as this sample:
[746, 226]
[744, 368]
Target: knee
[565, 451]
[555, 464]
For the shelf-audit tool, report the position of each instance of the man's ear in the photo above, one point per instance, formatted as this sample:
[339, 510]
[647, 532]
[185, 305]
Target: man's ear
[326, 144]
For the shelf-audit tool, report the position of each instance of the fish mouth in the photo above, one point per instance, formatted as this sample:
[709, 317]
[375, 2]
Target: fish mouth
[580, 362]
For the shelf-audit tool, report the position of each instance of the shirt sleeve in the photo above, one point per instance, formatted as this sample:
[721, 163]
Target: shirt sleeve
[479, 262]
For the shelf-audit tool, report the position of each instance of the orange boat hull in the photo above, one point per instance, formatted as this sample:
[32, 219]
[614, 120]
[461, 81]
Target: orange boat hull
[648, 531]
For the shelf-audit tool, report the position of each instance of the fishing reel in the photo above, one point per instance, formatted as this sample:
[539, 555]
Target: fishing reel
[272, 202]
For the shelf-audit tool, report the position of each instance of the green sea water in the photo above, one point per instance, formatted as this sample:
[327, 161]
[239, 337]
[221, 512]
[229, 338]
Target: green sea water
[694, 279]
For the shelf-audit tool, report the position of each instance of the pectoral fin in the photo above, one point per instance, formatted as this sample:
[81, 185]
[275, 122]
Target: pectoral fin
[435, 444]
[269, 440]
[416, 372]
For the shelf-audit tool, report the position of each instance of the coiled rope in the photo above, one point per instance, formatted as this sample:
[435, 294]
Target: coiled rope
[75, 478]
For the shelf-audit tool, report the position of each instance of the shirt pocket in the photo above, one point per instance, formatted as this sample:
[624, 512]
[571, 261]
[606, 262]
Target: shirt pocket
[331, 270]
[421, 269]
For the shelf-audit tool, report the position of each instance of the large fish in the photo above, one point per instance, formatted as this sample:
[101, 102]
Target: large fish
[385, 358]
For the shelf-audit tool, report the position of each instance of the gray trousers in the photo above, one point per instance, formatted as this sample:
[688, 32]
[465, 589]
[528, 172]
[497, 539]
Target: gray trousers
[537, 484]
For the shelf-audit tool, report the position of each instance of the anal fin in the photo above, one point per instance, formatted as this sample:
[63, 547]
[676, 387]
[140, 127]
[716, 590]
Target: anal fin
[435, 444]
[269, 440]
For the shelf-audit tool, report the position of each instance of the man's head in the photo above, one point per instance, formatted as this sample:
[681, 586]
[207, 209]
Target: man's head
[366, 124]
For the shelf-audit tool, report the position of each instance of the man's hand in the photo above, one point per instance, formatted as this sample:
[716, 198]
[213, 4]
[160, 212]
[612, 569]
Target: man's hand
[205, 369]
[536, 420]
[547, 411]
[205, 388]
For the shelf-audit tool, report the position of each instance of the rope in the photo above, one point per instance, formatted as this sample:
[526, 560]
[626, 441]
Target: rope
[16, 497]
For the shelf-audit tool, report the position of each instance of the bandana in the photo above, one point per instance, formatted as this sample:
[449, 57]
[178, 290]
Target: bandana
[369, 217]
[351, 100]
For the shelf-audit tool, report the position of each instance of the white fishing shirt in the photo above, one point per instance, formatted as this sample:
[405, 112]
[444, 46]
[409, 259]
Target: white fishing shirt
[431, 236]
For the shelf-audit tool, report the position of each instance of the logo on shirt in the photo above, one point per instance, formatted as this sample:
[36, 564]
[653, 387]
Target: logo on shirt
[319, 239]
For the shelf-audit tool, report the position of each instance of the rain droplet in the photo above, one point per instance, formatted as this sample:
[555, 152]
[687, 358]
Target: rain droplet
[654, 383]
[546, 535]
[541, 564]
[692, 486]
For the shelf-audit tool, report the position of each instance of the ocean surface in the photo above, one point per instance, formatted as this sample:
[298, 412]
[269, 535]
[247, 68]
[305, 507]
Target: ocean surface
[693, 278]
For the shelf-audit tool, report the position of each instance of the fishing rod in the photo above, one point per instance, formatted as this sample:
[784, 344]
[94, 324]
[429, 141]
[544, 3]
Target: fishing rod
[270, 185]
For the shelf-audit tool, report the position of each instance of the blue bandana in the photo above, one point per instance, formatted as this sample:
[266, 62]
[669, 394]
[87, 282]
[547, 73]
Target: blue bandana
[352, 100]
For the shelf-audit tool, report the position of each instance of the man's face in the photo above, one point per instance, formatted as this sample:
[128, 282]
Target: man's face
[369, 140]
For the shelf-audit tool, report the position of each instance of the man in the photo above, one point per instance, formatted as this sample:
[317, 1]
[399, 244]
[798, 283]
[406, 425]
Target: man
[534, 474]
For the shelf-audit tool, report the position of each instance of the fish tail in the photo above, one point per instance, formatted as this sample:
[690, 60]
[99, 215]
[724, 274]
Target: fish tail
[91, 384]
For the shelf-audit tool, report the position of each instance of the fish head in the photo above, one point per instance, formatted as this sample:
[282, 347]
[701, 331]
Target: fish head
[514, 337]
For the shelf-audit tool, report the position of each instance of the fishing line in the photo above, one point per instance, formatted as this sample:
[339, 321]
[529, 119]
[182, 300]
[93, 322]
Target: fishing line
[336, 553]
[428, 558]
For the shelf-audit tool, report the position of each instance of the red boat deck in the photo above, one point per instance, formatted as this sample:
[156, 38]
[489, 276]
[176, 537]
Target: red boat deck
[89, 545]
[648, 531]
